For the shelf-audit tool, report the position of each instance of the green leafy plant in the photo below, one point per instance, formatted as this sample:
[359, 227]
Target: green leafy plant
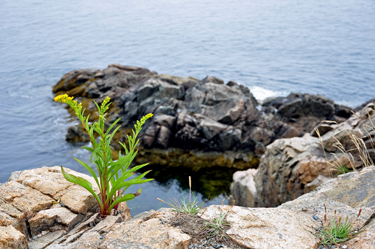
[112, 175]
[191, 207]
[215, 228]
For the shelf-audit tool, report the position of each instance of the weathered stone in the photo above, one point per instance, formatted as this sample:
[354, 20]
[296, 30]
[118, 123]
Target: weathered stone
[213, 80]
[146, 233]
[124, 211]
[287, 166]
[348, 195]
[77, 134]
[47, 218]
[79, 200]
[18, 223]
[243, 189]
[12, 238]
[267, 228]
[45, 240]
[321, 129]
[319, 180]
[50, 181]
[305, 111]
[24, 198]
[14, 176]
[364, 239]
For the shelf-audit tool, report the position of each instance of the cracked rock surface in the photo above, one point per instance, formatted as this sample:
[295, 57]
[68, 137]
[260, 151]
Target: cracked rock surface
[40, 205]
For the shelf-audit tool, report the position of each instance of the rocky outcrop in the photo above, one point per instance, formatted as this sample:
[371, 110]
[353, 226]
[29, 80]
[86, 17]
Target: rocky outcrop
[292, 167]
[347, 196]
[305, 111]
[261, 228]
[291, 225]
[250, 228]
[42, 202]
[192, 116]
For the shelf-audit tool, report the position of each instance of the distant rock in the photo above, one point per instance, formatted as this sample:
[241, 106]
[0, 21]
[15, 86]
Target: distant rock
[305, 111]
[194, 116]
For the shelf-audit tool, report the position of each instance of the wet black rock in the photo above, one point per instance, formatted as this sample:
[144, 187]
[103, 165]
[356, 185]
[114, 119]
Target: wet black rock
[190, 114]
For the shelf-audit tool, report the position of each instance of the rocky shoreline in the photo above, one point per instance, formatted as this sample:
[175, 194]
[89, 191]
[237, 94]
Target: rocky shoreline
[39, 209]
[197, 123]
[299, 173]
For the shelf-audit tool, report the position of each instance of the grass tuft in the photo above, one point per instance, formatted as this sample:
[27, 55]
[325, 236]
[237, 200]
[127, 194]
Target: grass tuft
[216, 227]
[336, 231]
[191, 207]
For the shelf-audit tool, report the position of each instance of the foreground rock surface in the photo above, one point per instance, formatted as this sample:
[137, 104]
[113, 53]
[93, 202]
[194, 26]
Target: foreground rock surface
[346, 196]
[267, 228]
[192, 116]
[42, 202]
[250, 228]
[291, 225]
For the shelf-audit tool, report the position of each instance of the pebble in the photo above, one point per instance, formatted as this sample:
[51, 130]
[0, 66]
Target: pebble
[101, 237]
[315, 217]
[39, 235]
[344, 246]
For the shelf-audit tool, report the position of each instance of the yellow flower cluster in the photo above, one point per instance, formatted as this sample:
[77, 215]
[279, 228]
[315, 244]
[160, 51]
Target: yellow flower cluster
[143, 120]
[63, 98]
[69, 100]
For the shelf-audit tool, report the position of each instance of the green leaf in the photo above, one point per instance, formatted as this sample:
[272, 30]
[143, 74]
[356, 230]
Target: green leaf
[97, 106]
[126, 197]
[109, 139]
[111, 127]
[128, 159]
[127, 184]
[128, 173]
[81, 182]
[88, 148]
[89, 169]
[125, 148]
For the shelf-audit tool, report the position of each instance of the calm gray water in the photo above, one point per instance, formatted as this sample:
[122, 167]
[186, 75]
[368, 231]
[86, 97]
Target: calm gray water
[274, 47]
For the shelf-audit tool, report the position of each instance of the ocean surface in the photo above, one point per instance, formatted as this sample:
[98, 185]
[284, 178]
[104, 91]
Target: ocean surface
[273, 47]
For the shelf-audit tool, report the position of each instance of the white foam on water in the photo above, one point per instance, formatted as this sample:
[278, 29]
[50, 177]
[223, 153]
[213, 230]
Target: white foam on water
[261, 93]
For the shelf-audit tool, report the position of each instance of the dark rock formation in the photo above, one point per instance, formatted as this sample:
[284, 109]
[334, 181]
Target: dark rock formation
[195, 116]
[305, 111]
